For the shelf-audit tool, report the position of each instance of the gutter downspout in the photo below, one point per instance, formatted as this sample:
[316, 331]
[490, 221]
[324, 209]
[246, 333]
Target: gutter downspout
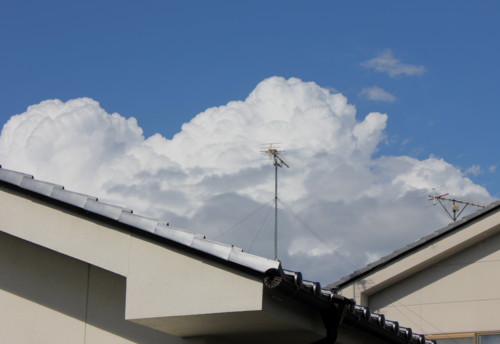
[332, 307]
[332, 321]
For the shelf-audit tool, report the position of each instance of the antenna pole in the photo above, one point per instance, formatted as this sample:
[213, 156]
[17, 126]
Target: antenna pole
[275, 208]
[273, 153]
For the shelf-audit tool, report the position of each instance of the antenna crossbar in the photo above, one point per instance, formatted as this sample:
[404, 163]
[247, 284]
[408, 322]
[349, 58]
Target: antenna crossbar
[455, 209]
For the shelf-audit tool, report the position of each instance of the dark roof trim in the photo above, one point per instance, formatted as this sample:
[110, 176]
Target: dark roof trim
[416, 245]
[338, 311]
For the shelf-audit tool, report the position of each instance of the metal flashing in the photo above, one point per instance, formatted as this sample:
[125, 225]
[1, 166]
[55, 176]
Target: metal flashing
[107, 210]
[43, 188]
[257, 263]
[74, 198]
[13, 177]
[216, 249]
[137, 221]
[180, 236]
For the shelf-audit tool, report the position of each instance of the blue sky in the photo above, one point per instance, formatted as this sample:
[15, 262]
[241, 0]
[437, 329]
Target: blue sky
[165, 61]
[431, 66]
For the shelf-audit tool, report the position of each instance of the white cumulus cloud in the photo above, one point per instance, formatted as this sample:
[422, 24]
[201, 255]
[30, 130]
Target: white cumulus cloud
[385, 62]
[378, 94]
[338, 198]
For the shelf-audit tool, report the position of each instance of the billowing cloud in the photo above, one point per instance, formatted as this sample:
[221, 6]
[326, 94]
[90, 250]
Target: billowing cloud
[378, 94]
[385, 62]
[341, 205]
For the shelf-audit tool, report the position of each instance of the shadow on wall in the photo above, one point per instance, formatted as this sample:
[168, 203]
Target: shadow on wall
[68, 286]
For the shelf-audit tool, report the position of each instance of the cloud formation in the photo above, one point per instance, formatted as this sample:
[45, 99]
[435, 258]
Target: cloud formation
[474, 170]
[378, 94]
[385, 62]
[210, 177]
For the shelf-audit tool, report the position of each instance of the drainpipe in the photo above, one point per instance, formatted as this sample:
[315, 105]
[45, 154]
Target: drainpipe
[332, 307]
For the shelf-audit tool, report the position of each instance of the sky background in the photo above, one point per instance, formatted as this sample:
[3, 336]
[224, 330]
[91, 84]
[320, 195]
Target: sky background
[163, 106]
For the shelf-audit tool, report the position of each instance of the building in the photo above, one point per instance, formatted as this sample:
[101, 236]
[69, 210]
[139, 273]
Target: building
[446, 285]
[76, 270]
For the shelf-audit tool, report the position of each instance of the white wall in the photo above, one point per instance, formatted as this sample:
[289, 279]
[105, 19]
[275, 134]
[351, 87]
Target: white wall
[162, 287]
[47, 297]
[458, 294]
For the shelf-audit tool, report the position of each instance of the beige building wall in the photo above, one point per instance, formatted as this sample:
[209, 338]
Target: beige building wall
[68, 263]
[458, 294]
[47, 297]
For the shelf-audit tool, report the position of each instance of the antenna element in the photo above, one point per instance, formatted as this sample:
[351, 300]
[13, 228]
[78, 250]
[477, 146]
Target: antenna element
[455, 208]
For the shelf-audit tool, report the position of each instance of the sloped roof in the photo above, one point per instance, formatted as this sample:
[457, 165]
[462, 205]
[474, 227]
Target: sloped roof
[412, 247]
[126, 216]
[274, 276]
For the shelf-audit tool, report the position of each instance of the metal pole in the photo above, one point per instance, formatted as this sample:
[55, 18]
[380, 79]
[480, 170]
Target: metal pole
[275, 208]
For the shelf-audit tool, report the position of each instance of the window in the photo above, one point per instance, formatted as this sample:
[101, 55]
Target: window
[467, 338]
[489, 339]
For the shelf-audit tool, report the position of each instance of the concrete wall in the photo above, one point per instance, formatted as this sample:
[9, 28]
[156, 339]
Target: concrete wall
[47, 297]
[194, 285]
[162, 287]
[458, 294]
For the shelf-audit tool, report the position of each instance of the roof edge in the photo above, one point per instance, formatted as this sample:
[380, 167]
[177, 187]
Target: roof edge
[416, 245]
[119, 215]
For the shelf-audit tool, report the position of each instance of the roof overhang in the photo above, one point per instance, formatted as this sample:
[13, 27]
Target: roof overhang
[179, 291]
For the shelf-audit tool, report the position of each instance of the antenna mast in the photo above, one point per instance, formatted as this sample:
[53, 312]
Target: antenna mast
[274, 154]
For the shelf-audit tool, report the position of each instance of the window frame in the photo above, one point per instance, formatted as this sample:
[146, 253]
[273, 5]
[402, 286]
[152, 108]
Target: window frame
[489, 333]
[473, 335]
[460, 335]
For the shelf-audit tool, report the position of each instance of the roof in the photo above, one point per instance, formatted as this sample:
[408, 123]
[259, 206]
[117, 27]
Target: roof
[416, 245]
[126, 216]
[275, 278]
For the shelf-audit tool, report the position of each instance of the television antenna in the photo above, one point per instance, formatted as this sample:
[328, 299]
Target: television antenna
[274, 154]
[455, 212]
